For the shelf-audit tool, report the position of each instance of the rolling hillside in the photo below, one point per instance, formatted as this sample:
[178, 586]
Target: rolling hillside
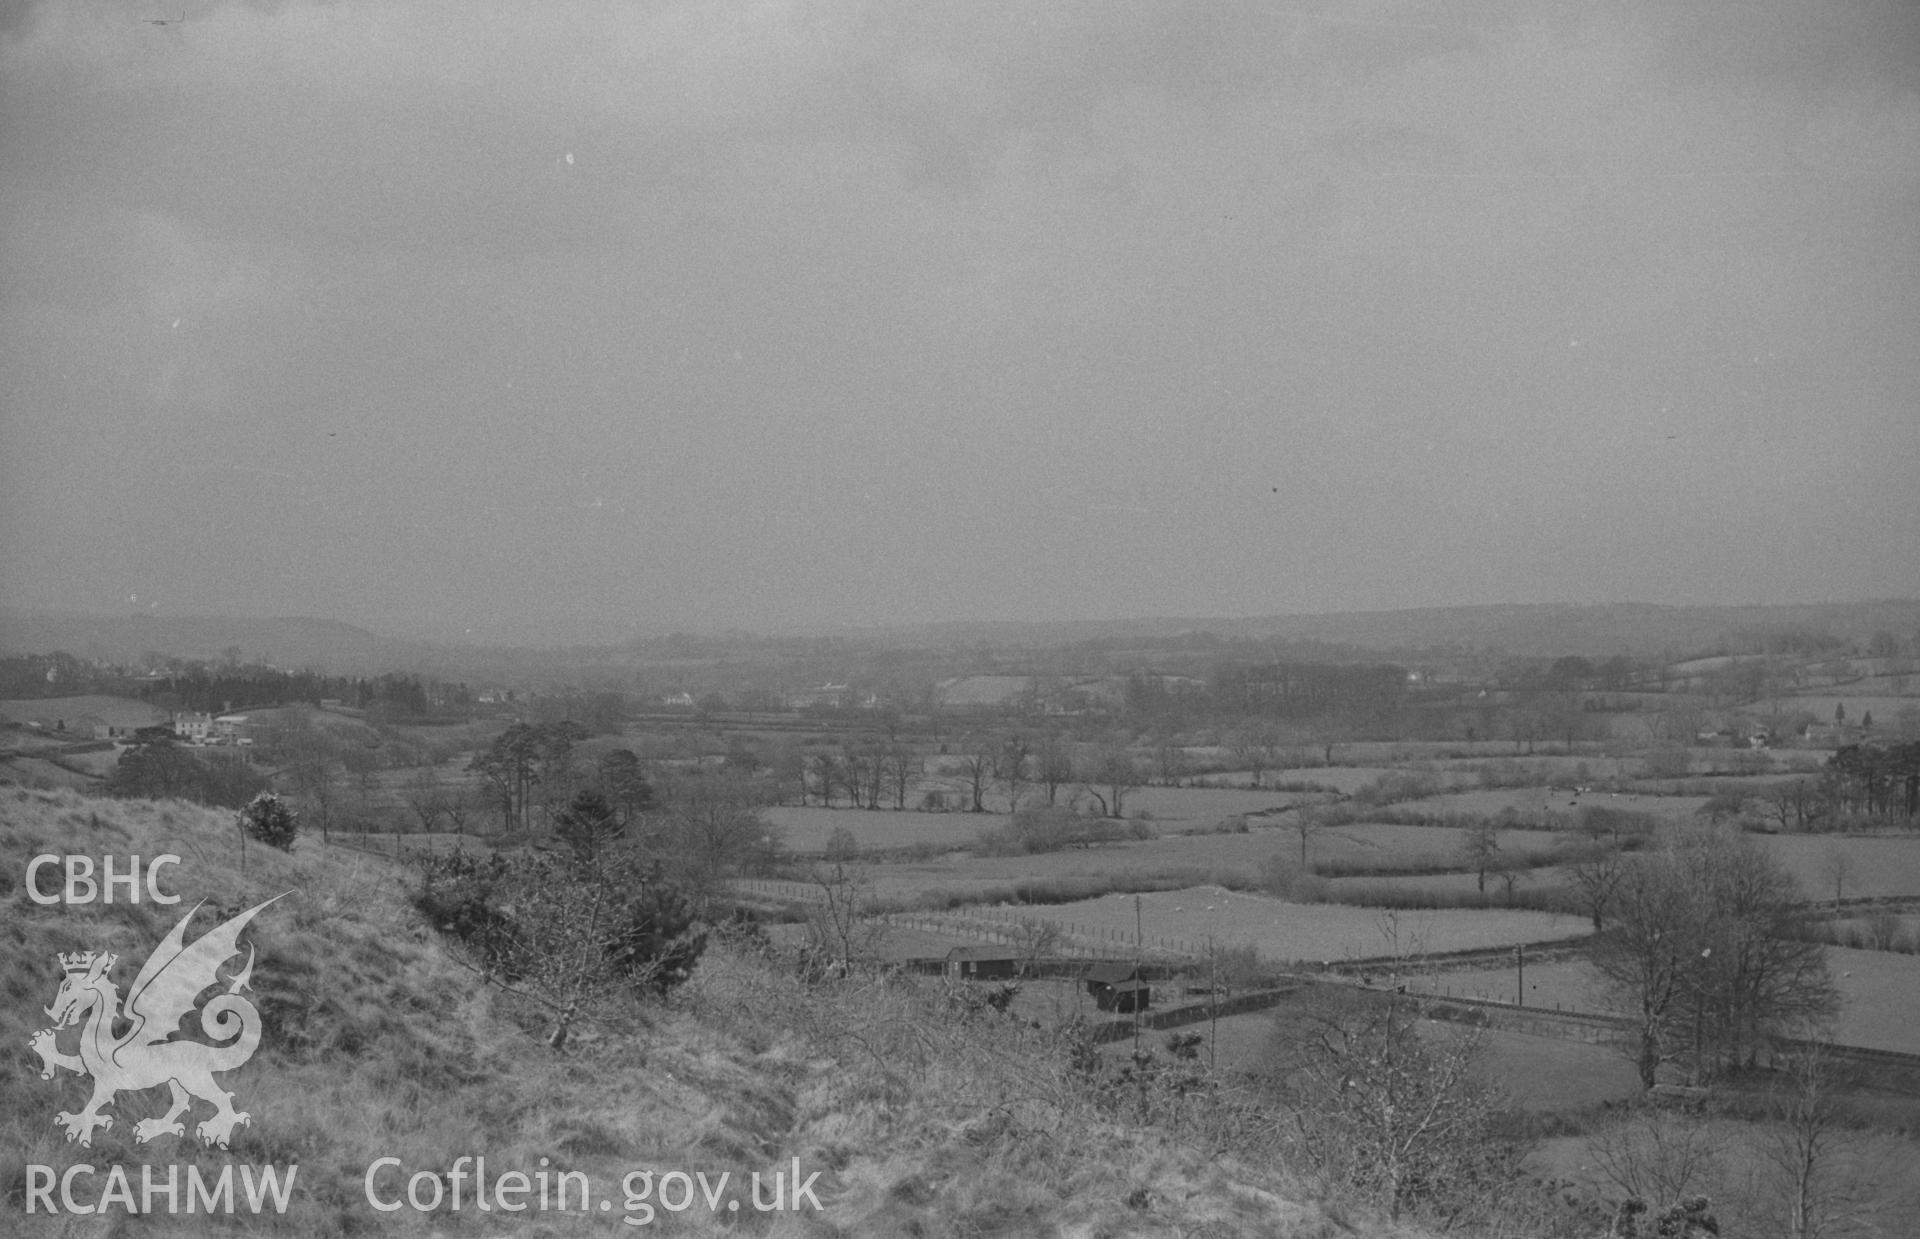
[377, 1043]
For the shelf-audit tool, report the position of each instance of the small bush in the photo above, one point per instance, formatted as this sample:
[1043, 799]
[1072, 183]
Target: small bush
[269, 820]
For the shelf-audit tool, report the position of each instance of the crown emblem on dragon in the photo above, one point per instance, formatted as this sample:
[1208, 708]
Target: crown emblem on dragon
[142, 1055]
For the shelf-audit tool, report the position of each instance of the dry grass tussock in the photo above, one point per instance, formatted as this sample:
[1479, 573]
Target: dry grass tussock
[924, 1117]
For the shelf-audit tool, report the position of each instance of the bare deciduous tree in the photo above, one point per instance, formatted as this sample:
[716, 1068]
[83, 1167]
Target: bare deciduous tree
[1306, 823]
[1836, 867]
[1659, 1155]
[711, 826]
[1016, 754]
[841, 929]
[1254, 748]
[426, 797]
[1480, 849]
[1053, 764]
[1391, 1113]
[1594, 882]
[1821, 1177]
[1109, 774]
[977, 767]
[1704, 951]
[903, 767]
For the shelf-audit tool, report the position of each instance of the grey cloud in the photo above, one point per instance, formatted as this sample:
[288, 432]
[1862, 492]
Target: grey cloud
[879, 311]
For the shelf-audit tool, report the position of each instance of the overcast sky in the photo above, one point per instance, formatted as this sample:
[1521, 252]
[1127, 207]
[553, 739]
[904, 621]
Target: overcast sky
[570, 319]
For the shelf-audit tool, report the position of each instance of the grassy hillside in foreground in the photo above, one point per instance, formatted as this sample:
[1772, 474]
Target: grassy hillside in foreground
[377, 1043]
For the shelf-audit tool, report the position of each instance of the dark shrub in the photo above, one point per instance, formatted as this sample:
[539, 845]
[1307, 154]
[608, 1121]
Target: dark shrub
[269, 820]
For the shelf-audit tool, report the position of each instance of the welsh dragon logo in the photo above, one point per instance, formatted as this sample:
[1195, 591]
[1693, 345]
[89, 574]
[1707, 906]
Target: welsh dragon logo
[141, 1056]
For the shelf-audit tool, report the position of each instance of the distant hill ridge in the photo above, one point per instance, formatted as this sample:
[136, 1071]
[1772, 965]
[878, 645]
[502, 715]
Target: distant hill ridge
[288, 642]
[1539, 629]
[1521, 629]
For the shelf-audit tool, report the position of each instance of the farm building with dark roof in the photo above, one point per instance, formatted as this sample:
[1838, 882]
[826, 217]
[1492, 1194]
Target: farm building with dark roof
[1111, 984]
[982, 963]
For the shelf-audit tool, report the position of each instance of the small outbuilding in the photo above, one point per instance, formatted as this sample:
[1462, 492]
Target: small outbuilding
[1111, 984]
[982, 963]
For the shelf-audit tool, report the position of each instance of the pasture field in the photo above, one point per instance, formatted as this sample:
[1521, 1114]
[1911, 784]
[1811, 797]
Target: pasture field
[1904, 925]
[1547, 1074]
[100, 761]
[1223, 859]
[1531, 801]
[1569, 985]
[120, 711]
[1392, 845]
[1226, 859]
[1308, 933]
[805, 830]
[1171, 809]
[1537, 1074]
[1880, 997]
[1403, 753]
[1191, 859]
[1448, 885]
[15, 739]
[1181, 808]
[38, 771]
[1349, 779]
[1879, 993]
[1877, 865]
[1884, 706]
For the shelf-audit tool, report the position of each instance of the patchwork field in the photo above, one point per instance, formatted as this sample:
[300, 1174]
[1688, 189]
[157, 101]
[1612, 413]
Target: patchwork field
[806, 829]
[1449, 886]
[1306, 933]
[1178, 808]
[1530, 801]
[1884, 706]
[1388, 844]
[1880, 993]
[1170, 810]
[119, 711]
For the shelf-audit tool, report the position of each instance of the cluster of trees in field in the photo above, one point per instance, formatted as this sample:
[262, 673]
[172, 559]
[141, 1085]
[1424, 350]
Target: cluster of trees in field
[869, 772]
[393, 697]
[1858, 786]
[707, 819]
[216, 687]
[1875, 780]
[58, 674]
[1015, 765]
